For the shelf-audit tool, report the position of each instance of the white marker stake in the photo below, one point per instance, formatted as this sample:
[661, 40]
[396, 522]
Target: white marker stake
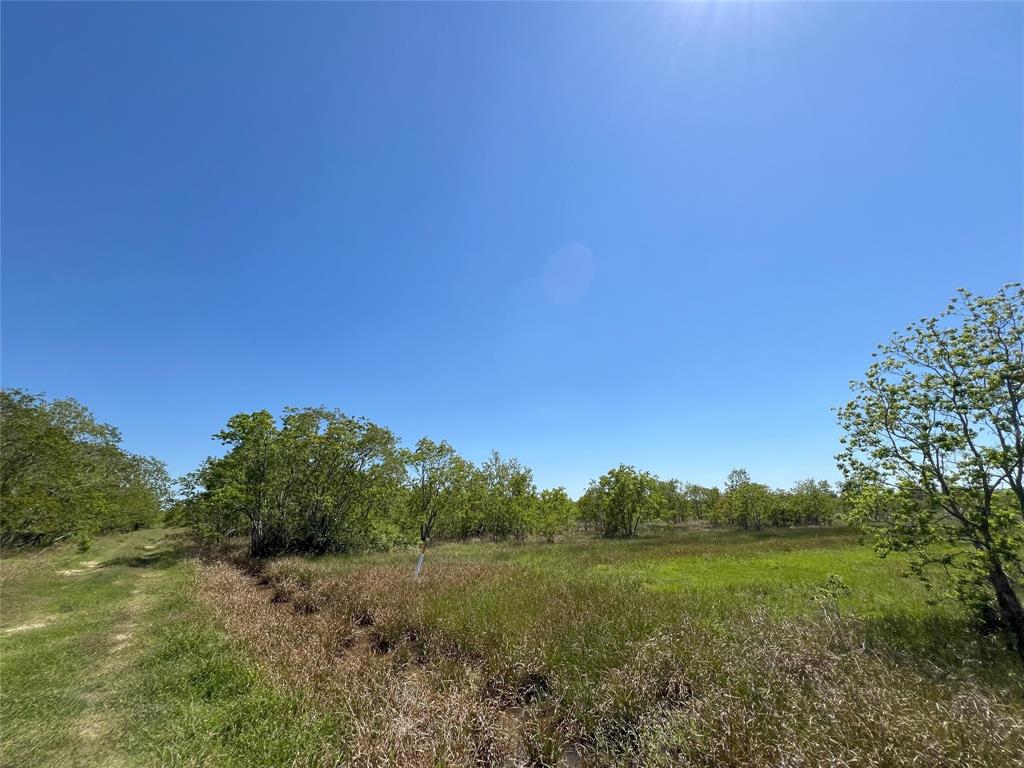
[419, 564]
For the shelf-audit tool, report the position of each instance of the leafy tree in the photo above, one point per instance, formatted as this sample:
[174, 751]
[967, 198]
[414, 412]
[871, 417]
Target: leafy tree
[321, 482]
[621, 499]
[813, 502]
[553, 513]
[246, 473]
[590, 507]
[341, 484]
[934, 449]
[438, 485]
[434, 470]
[675, 506]
[745, 503]
[510, 494]
[736, 479]
[465, 505]
[62, 472]
[700, 501]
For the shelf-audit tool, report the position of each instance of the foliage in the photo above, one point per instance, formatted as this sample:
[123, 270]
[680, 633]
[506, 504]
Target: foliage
[751, 505]
[674, 506]
[744, 503]
[509, 496]
[621, 499]
[62, 472]
[700, 501]
[813, 502]
[321, 482]
[553, 513]
[325, 482]
[440, 482]
[935, 450]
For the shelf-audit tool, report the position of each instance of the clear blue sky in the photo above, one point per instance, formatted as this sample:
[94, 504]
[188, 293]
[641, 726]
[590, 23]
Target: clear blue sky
[665, 235]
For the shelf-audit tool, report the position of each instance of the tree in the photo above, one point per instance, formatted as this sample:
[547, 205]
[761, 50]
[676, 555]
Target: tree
[700, 500]
[341, 482]
[63, 472]
[553, 513]
[320, 482]
[675, 505]
[736, 479]
[934, 449]
[622, 499]
[813, 502]
[439, 478]
[744, 503]
[249, 466]
[591, 508]
[510, 494]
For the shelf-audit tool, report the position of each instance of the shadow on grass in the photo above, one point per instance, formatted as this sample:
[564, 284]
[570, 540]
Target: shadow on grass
[943, 648]
[170, 552]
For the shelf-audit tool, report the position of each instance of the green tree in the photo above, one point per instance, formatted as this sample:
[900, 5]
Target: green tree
[246, 472]
[813, 502]
[320, 482]
[744, 503]
[63, 472]
[553, 513]
[934, 449]
[590, 507]
[622, 499]
[675, 505]
[510, 494]
[340, 484]
[439, 481]
[700, 500]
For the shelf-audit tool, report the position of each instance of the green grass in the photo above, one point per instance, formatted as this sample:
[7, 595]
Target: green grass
[604, 628]
[107, 659]
[724, 572]
[696, 647]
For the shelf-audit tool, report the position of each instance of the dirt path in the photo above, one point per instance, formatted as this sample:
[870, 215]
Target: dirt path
[73, 624]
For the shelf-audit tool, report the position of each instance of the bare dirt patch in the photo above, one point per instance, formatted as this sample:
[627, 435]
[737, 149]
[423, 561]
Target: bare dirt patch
[87, 567]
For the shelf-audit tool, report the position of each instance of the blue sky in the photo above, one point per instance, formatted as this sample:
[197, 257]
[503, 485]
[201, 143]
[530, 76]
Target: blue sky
[665, 234]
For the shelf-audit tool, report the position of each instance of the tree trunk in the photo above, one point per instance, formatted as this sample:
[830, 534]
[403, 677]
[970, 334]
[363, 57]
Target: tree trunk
[1009, 605]
[255, 537]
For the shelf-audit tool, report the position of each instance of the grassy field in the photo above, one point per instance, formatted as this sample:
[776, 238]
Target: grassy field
[695, 648]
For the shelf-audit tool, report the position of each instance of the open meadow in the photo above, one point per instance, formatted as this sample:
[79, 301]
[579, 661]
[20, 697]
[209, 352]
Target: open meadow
[512, 385]
[682, 647]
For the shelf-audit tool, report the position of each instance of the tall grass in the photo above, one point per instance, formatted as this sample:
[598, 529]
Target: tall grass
[702, 649]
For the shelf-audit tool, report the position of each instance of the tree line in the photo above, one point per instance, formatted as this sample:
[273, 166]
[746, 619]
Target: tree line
[317, 480]
[62, 473]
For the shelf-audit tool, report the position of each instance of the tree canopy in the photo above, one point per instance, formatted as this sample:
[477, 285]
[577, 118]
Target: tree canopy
[934, 450]
[63, 472]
